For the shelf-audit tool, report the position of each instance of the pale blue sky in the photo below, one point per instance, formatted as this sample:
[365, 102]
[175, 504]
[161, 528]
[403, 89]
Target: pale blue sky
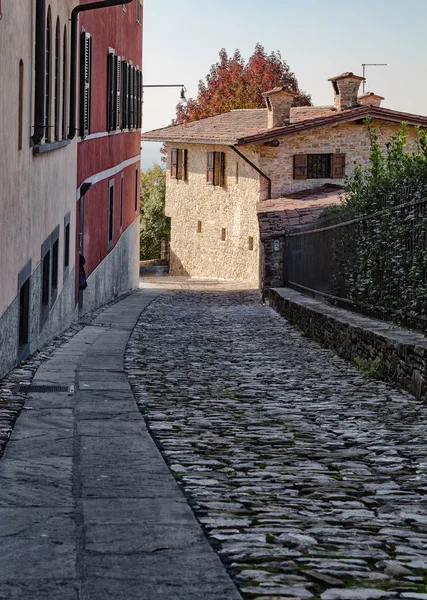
[317, 38]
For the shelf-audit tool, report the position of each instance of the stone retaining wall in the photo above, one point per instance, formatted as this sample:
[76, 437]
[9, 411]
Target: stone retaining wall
[395, 354]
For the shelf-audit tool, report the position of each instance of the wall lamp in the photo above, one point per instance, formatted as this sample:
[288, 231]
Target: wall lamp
[181, 85]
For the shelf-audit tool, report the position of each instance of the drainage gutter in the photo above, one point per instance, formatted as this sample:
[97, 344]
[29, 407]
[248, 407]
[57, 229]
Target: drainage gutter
[256, 169]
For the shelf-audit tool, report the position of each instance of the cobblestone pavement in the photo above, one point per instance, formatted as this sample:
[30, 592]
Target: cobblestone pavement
[310, 480]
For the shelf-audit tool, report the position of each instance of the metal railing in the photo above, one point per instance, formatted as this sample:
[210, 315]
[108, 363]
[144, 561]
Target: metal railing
[375, 265]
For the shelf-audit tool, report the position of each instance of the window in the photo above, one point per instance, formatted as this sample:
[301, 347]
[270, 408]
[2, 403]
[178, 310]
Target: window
[45, 279]
[55, 255]
[179, 159]
[223, 234]
[64, 85]
[138, 11]
[122, 182]
[250, 243]
[20, 103]
[319, 166]
[215, 168]
[199, 227]
[66, 242]
[57, 90]
[237, 171]
[118, 83]
[138, 99]
[110, 212]
[24, 313]
[131, 96]
[137, 189]
[85, 83]
[47, 75]
[112, 91]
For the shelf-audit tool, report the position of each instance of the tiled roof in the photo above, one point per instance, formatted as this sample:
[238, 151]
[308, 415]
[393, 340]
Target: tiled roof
[280, 215]
[249, 126]
[222, 129]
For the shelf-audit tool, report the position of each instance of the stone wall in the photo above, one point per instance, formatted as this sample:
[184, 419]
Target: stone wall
[200, 211]
[397, 355]
[350, 139]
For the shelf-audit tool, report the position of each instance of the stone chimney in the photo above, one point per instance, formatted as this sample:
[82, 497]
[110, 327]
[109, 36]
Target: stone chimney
[370, 99]
[279, 103]
[346, 87]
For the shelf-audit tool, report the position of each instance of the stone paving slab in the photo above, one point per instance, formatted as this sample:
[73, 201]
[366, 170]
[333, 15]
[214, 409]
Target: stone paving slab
[309, 479]
[97, 514]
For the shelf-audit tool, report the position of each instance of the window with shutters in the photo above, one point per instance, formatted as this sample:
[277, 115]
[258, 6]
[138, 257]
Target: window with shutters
[57, 88]
[179, 159]
[111, 92]
[85, 83]
[47, 73]
[215, 168]
[319, 166]
[64, 85]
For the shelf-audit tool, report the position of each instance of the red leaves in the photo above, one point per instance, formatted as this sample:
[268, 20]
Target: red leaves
[232, 84]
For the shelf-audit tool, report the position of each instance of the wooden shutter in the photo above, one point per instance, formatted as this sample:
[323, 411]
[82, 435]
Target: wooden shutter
[338, 166]
[110, 91]
[185, 165]
[85, 77]
[210, 166]
[300, 166]
[124, 94]
[179, 164]
[118, 92]
[174, 163]
[221, 169]
[131, 99]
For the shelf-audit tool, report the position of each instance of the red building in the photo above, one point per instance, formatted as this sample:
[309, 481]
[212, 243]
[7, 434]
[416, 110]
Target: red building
[108, 120]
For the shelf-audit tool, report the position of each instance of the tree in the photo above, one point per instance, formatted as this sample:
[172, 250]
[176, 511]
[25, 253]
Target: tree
[155, 226]
[232, 84]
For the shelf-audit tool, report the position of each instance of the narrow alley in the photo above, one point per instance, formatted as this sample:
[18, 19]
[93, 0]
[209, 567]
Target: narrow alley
[308, 479]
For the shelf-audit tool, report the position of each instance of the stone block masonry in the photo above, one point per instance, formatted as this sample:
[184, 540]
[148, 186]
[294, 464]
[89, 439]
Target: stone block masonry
[393, 353]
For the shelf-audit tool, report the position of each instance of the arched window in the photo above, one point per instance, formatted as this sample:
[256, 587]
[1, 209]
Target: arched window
[57, 81]
[20, 103]
[64, 85]
[47, 69]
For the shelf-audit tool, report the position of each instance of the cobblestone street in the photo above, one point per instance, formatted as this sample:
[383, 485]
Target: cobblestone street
[309, 479]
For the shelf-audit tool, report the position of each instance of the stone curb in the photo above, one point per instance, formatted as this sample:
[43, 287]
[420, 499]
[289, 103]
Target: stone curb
[395, 354]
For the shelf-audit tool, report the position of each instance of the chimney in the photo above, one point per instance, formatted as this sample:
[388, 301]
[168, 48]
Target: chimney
[279, 103]
[346, 87]
[370, 99]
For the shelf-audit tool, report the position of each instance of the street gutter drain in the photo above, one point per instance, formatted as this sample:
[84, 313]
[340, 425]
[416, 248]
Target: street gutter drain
[42, 389]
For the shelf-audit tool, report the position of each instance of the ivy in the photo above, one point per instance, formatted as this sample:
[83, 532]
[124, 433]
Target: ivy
[382, 256]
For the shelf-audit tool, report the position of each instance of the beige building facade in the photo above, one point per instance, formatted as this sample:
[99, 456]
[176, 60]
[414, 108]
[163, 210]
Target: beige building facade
[37, 183]
[221, 168]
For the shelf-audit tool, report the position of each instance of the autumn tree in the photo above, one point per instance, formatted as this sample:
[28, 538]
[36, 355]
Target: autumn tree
[233, 83]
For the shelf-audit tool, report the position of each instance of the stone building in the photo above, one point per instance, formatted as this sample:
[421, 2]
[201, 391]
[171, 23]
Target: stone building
[222, 169]
[47, 161]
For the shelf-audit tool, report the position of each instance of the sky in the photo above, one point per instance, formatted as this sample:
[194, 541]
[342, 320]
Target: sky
[318, 39]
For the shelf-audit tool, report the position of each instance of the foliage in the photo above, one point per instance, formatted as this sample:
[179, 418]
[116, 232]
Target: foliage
[384, 258]
[155, 226]
[371, 368]
[233, 84]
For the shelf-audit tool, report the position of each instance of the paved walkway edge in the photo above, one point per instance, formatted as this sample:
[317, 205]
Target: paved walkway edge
[88, 508]
[392, 353]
